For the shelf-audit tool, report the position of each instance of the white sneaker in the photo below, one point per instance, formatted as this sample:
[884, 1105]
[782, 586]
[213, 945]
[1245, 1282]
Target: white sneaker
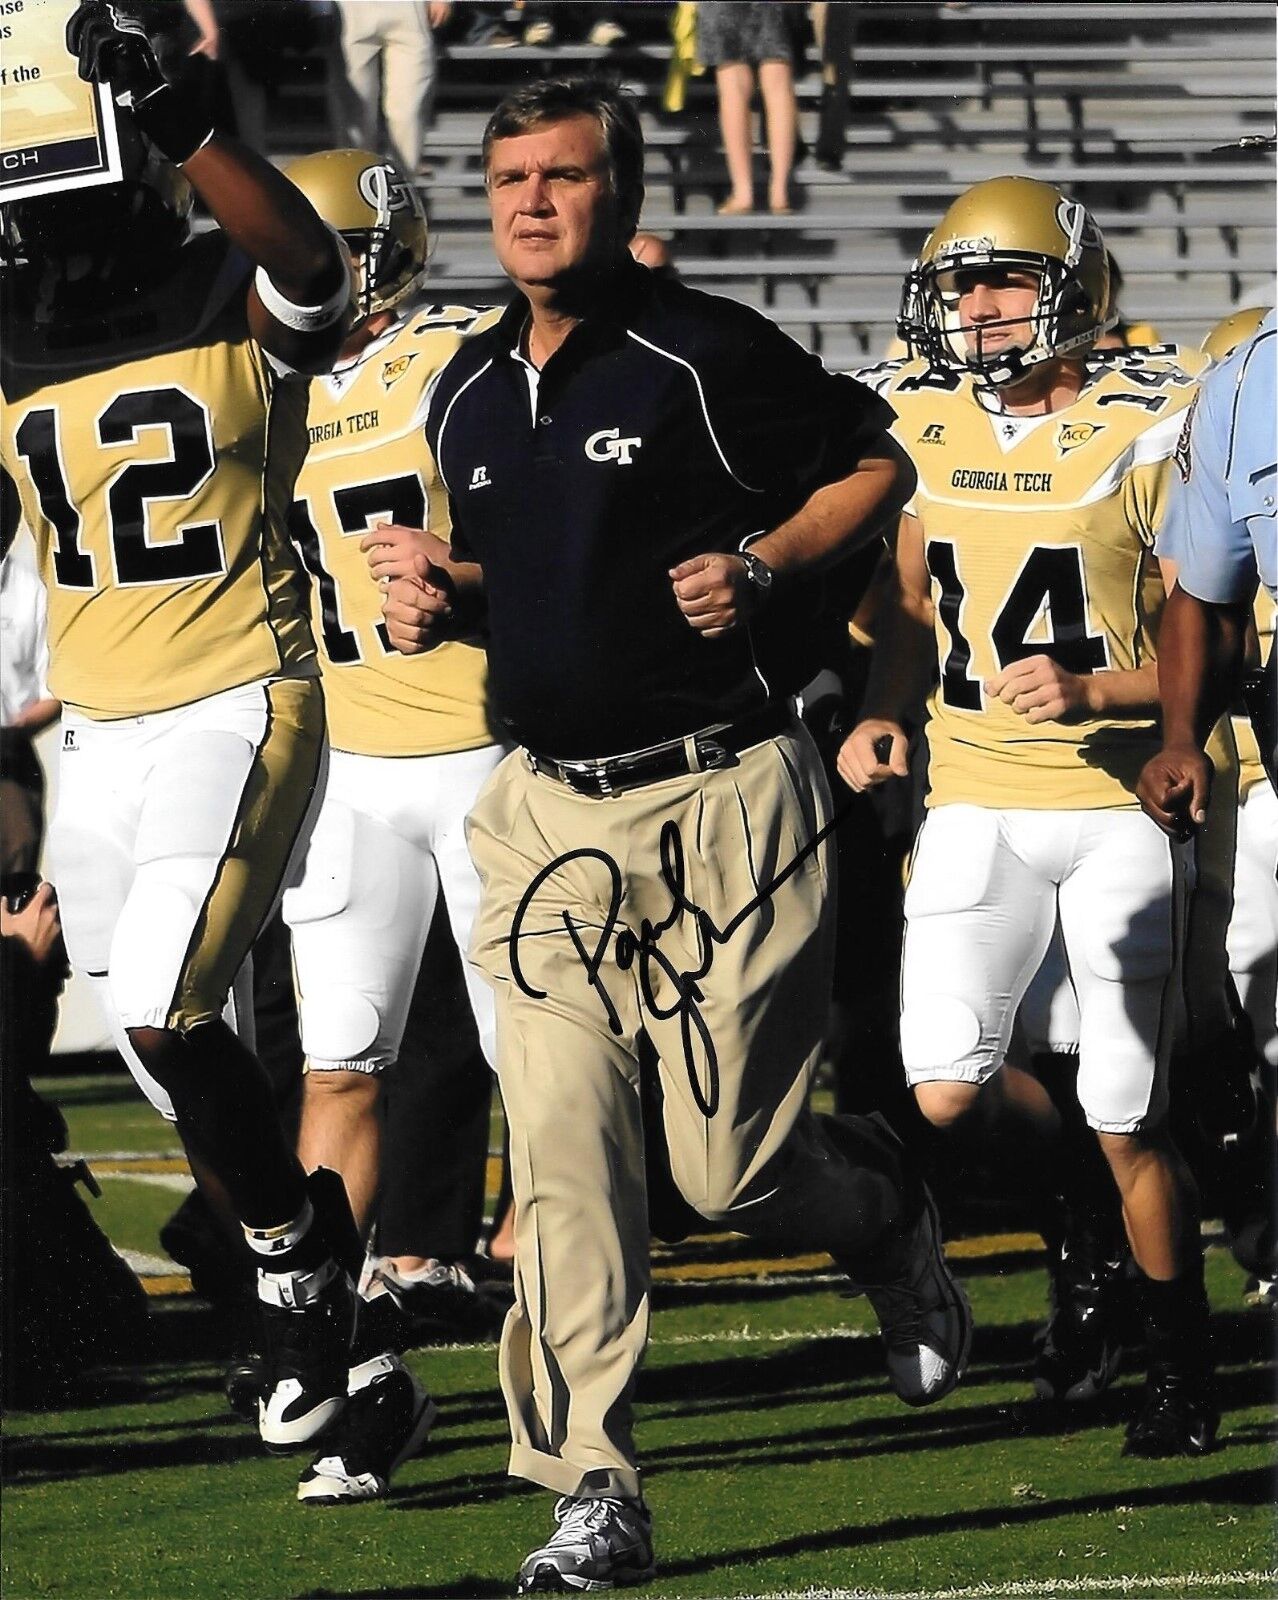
[539, 34]
[607, 34]
[923, 1314]
[599, 1544]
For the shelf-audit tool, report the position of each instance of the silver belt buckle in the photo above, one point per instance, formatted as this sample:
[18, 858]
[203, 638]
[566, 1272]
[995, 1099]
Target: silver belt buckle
[584, 776]
[713, 756]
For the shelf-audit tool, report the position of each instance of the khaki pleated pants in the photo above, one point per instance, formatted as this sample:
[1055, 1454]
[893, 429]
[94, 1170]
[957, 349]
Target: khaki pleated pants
[568, 885]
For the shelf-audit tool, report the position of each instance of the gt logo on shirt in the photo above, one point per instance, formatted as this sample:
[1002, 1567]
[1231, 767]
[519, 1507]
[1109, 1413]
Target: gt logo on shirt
[607, 446]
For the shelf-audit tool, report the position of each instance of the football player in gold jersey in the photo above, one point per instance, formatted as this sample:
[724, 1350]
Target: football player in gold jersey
[153, 453]
[411, 748]
[1025, 580]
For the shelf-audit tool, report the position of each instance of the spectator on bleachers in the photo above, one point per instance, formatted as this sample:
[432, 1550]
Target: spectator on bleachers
[389, 50]
[739, 38]
[835, 29]
[482, 22]
[593, 24]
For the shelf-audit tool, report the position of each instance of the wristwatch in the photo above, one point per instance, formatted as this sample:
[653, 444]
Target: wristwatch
[758, 572]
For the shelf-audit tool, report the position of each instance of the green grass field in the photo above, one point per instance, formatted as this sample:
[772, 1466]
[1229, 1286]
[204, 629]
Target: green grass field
[777, 1462]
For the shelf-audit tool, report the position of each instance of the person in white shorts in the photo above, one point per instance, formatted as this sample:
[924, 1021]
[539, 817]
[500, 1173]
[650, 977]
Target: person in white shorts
[153, 450]
[411, 748]
[1025, 578]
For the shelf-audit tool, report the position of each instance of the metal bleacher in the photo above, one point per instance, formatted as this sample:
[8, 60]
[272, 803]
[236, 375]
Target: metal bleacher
[1139, 109]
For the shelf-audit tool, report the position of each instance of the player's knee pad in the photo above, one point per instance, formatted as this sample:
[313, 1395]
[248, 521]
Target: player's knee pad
[358, 920]
[943, 1034]
[340, 1031]
[153, 936]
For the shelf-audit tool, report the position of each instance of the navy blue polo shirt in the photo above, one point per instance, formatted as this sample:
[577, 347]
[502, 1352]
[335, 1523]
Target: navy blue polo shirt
[670, 425]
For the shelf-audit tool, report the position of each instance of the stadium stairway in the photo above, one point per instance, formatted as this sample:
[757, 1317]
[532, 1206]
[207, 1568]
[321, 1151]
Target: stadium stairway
[1142, 110]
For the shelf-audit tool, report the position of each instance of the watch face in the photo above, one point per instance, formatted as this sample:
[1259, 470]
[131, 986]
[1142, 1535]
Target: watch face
[758, 572]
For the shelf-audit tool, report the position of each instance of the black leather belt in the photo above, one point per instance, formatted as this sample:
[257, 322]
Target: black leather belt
[707, 750]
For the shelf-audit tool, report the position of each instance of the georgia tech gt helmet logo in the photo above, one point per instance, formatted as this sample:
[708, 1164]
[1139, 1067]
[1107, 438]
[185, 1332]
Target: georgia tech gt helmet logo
[1080, 231]
[606, 445]
[380, 186]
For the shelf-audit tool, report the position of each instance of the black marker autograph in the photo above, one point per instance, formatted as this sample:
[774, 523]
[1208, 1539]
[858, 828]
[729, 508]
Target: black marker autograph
[644, 949]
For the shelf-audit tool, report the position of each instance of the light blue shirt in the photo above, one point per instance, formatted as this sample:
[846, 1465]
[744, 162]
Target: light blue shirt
[1220, 527]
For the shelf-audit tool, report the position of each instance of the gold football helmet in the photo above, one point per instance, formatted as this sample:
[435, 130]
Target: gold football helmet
[1022, 224]
[364, 197]
[1230, 331]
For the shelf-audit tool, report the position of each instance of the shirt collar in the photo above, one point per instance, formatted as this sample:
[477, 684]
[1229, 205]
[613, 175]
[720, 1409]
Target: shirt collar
[628, 288]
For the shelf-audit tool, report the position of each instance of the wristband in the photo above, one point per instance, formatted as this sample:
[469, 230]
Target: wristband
[304, 319]
[172, 124]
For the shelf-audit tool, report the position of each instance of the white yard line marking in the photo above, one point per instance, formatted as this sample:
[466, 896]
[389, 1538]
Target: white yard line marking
[1126, 1583]
[179, 1182]
[779, 1336]
[147, 1266]
[101, 1158]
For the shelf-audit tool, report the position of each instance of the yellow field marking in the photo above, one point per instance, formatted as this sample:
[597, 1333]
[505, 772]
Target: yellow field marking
[993, 1244]
[997, 1244]
[706, 1270]
[128, 1166]
[770, 1268]
[167, 1283]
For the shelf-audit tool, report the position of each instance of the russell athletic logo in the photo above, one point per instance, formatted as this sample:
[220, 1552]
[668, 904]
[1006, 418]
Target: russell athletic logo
[606, 445]
[479, 479]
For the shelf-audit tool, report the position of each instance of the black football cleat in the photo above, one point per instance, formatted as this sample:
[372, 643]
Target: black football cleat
[1177, 1417]
[309, 1325]
[387, 1419]
[1079, 1352]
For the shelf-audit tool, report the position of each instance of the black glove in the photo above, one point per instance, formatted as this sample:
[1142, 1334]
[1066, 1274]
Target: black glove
[112, 47]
